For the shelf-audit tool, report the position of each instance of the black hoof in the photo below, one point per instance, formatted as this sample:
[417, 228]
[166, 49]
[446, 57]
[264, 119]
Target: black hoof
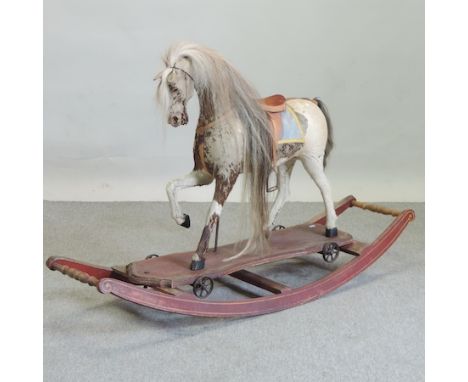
[186, 222]
[197, 265]
[278, 227]
[151, 256]
[331, 232]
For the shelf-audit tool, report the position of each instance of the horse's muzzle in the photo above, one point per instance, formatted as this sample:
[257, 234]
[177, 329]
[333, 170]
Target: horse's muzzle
[178, 120]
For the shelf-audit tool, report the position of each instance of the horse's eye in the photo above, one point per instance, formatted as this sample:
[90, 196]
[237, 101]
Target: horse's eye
[172, 88]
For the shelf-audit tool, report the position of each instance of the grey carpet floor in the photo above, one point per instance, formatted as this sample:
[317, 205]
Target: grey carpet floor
[371, 329]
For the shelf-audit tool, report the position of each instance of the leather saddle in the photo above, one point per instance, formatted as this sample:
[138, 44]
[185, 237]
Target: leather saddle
[273, 104]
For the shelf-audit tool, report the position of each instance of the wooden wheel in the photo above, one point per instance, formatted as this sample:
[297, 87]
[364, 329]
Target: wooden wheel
[202, 287]
[330, 252]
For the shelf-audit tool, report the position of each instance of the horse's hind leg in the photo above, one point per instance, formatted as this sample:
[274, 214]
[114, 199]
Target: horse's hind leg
[192, 179]
[314, 166]
[283, 178]
[222, 191]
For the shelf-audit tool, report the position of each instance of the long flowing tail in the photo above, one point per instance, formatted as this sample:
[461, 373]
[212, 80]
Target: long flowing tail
[330, 143]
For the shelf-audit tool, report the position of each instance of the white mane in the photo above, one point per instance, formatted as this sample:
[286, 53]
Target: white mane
[221, 88]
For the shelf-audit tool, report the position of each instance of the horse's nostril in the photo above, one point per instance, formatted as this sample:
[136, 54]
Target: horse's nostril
[175, 119]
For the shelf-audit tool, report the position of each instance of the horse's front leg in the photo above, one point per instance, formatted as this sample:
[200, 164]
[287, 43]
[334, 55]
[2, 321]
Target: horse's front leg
[222, 190]
[194, 178]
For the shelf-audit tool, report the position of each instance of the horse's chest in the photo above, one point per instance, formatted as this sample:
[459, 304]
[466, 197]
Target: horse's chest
[218, 151]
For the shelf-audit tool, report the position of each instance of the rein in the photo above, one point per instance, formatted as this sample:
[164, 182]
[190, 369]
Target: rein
[187, 73]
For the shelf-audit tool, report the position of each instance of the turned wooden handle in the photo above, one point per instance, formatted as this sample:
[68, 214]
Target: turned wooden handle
[76, 274]
[376, 208]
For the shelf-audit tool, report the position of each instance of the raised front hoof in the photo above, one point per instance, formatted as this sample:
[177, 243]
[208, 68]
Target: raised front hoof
[197, 265]
[186, 222]
[331, 232]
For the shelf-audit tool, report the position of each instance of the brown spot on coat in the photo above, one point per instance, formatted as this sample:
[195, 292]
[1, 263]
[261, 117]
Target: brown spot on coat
[287, 150]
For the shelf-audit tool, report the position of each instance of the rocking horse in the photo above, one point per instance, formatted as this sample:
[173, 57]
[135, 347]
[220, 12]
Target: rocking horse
[239, 133]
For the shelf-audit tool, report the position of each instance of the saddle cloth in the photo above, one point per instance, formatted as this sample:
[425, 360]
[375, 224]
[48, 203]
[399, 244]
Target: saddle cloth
[291, 130]
[285, 123]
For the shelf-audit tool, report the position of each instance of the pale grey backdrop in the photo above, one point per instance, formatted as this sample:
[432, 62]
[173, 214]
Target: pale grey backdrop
[103, 136]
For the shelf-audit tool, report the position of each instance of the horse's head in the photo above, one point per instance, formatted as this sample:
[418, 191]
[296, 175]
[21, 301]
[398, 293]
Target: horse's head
[176, 87]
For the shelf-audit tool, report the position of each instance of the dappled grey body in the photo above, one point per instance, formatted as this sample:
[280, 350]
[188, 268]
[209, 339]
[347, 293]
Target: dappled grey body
[234, 136]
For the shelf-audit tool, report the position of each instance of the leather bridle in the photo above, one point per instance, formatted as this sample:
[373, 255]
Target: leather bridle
[187, 73]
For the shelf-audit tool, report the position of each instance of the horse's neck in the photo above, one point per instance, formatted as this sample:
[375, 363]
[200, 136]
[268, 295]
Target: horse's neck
[224, 142]
[207, 113]
[209, 118]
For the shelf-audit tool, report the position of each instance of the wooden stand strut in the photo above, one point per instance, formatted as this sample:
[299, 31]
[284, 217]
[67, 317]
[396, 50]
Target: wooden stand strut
[376, 208]
[81, 276]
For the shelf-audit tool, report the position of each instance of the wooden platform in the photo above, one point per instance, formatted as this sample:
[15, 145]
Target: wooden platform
[172, 271]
